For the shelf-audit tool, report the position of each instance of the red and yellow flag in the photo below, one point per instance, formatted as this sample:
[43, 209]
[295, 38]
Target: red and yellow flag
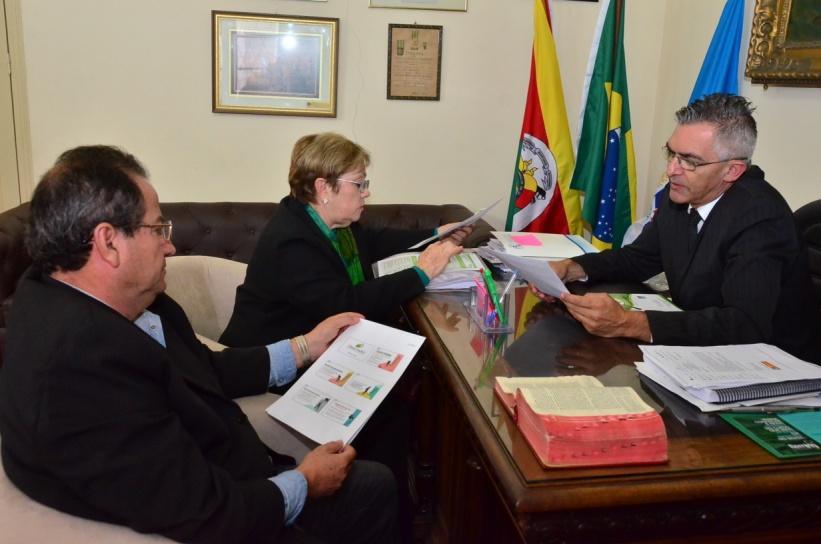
[541, 199]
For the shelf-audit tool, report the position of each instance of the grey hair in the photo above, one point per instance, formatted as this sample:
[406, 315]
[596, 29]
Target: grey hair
[736, 130]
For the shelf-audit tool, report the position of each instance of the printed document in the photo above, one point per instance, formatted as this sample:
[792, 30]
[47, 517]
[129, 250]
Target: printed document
[467, 222]
[339, 392]
[729, 366]
[458, 274]
[534, 271]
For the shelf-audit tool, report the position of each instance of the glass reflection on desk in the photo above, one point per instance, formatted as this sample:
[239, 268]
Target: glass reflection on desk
[548, 341]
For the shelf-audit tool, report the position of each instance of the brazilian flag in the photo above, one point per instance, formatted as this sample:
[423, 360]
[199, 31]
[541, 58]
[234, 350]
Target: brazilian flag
[606, 165]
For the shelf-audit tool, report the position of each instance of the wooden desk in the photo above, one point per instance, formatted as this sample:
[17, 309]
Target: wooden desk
[488, 487]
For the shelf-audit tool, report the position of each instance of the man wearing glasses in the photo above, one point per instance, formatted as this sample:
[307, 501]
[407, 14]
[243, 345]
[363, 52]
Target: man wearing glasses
[725, 238]
[110, 409]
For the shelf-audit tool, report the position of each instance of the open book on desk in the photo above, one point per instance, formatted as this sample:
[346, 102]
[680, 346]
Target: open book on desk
[458, 274]
[337, 395]
[576, 421]
[731, 374]
[505, 388]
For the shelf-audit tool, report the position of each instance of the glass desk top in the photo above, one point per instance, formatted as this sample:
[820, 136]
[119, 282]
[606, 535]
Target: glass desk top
[548, 342]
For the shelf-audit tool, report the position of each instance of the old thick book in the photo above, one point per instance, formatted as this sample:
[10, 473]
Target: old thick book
[505, 388]
[569, 425]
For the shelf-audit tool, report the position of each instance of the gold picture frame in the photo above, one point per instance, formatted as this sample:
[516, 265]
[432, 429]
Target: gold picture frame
[274, 64]
[785, 43]
[414, 62]
[441, 5]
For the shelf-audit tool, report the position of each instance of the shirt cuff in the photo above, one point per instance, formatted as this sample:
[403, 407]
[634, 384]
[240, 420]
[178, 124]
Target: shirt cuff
[282, 363]
[422, 276]
[294, 490]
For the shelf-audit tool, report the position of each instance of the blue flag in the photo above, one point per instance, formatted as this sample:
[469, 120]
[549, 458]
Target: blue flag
[719, 72]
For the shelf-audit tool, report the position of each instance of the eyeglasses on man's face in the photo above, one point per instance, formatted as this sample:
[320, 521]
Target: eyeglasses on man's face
[689, 164]
[362, 185]
[159, 229]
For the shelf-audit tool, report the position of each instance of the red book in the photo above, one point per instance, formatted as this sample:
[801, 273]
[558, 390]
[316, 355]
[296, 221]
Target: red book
[609, 426]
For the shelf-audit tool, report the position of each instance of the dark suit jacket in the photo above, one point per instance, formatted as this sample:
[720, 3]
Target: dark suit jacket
[100, 421]
[296, 279]
[746, 281]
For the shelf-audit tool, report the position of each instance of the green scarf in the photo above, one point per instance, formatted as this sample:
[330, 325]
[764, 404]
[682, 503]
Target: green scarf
[344, 244]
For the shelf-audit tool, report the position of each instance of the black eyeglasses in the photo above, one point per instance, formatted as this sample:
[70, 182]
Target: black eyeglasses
[689, 164]
[159, 229]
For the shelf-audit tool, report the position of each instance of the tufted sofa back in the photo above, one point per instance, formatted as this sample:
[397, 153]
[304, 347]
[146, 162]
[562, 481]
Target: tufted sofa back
[808, 219]
[220, 229]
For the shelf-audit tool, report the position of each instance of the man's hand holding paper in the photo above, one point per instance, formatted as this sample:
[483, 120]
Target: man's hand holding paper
[599, 313]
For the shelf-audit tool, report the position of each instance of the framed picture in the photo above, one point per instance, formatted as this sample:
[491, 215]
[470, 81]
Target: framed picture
[274, 64]
[785, 43]
[444, 5]
[414, 62]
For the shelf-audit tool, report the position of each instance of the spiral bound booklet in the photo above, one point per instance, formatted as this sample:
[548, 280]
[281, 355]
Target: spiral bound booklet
[728, 374]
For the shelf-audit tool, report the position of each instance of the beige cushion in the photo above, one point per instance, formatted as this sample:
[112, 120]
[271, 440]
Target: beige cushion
[24, 521]
[205, 287]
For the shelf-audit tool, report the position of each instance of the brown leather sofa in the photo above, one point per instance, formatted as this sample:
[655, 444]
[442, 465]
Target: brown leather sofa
[220, 229]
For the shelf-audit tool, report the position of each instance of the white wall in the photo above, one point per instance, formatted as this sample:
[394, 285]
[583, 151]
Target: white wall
[138, 74]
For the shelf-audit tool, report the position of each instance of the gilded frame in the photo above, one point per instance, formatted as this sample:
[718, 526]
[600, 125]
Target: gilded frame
[441, 5]
[785, 44]
[274, 64]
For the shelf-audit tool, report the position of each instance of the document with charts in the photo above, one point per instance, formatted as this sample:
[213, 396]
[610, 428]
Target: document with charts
[339, 392]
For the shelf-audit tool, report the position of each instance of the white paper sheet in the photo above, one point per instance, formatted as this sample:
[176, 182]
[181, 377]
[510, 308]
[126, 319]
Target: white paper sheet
[729, 366]
[467, 222]
[339, 392]
[534, 271]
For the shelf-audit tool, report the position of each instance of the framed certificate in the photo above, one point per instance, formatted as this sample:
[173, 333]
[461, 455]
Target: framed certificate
[414, 62]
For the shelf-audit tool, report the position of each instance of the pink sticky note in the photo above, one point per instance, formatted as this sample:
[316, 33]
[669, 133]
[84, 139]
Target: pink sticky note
[525, 239]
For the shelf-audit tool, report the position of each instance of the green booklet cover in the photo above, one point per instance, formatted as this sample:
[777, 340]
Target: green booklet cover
[643, 302]
[774, 434]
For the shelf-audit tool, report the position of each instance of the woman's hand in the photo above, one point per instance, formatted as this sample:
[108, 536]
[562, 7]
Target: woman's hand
[458, 236]
[436, 256]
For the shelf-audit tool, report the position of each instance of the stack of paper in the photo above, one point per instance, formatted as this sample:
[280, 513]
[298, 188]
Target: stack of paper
[576, 421]
[720, 377]
[543, 245]
[458, 274]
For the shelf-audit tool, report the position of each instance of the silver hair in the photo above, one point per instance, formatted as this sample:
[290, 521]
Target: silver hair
[736, 130]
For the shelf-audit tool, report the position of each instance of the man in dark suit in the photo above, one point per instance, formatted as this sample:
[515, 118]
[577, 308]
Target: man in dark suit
[110, 408]
[725, 239]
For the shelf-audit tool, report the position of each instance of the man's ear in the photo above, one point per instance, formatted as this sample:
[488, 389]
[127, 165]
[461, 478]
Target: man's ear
[734, 171]
[105, 242]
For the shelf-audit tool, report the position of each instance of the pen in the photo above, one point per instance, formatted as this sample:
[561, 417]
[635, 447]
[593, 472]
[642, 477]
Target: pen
[494, 296]
[509, 283]
[762, 409]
